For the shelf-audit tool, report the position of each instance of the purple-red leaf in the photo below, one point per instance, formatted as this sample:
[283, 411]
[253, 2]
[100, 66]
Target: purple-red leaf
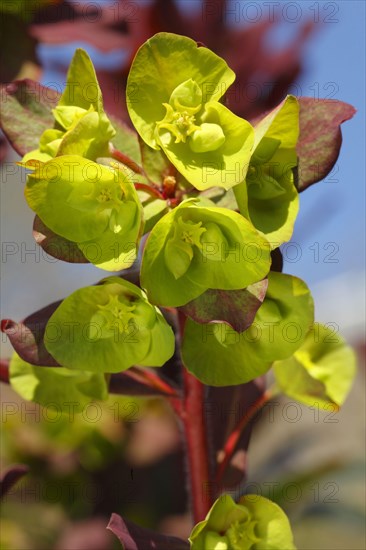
[320, 137]
[4, 371]
[11, 476]
[237, 308]
[223, 409]
[26, 113]
[134, 537]
[27, 336]
[55, 245]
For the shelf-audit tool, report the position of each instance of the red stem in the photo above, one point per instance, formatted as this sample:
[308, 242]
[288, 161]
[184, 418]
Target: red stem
[196, 438]
[234, 437]
[127, 161]
[158, 383]
[149, 189]
[171, 394]
[197, 451]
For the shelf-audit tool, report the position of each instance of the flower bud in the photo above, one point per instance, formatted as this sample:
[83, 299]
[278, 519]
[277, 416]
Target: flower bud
[255, 522]
[209, 137]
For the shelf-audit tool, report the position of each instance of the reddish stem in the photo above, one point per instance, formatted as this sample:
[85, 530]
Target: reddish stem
[158, 383]
[127, 161]
[196, 438]
[150, 190]
[232, 440]
[197, 451]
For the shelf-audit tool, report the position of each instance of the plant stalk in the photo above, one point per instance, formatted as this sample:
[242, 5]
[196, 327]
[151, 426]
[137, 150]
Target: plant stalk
[197, 450]
[196, 440]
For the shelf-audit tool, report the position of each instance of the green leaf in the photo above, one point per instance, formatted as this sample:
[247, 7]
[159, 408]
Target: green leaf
[108, 328]
[255, 522]
[320, 372]
[220, 356]
[271, 200]
[26, 112]
[90, 204]
[218, 247]
[56, 387]
[236, 307]
[280, 124]
[82, 88]
[67, 194]
[320, 137]
[86, 137]
[163, 63]
[284, 318]
[154, 210]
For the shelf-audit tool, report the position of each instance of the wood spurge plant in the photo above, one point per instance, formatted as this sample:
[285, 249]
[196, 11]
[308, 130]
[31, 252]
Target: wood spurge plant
[188, 211]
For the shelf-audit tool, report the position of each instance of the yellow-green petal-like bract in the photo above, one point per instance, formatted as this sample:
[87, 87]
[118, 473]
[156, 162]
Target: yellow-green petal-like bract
[321, 371]
[108, 328]
[219, 356]
[56, 387]
[254, 523]
[270, 199]
[81, 124]
[173, 93]
[93, 205]
[194, 248]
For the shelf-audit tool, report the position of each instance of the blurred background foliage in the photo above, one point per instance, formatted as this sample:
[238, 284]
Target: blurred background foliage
[126, 456]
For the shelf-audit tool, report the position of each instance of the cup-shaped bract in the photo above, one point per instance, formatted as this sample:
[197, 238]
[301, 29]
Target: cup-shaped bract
[56, 387]
[321, 371]
[271, 199]
[255, 522]
[173, 90]
[93, 205]
[194, 248]
[219, 356]
[81, 124]
[108, 328]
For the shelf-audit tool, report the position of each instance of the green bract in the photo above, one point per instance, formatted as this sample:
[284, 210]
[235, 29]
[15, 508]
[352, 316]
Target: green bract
[194, 248]
[81, 125]
[59, 388]
[270, 199]
[108, 328]
[255, 523]
[173, 90]
[93, 205]
[218, 355]
[320, 372]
